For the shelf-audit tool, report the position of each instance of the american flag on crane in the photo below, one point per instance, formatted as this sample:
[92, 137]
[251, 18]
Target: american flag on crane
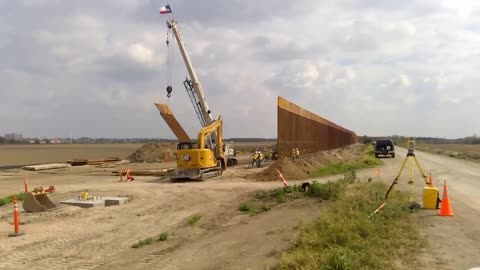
[165, 9]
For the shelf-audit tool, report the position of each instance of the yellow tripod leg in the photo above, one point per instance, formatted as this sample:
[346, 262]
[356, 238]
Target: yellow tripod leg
[420, 169]
[411, 175]
[396, 178]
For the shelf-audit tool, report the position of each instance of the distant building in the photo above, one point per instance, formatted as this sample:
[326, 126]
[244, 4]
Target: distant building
[55, 141]
[14, 137]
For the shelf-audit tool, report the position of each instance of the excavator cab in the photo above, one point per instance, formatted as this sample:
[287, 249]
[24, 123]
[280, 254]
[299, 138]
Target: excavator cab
[187, 145]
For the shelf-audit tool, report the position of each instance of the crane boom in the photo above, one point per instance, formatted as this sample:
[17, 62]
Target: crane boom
[199, 101]
[197, 97]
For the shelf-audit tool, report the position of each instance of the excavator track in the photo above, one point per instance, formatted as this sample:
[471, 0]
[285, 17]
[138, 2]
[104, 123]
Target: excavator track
[203, 175]
[207, 175]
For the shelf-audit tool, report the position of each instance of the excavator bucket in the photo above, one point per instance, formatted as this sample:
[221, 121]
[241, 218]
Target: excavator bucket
[37, 203]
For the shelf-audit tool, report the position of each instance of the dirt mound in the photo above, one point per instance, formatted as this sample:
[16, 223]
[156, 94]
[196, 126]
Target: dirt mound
[154, 152]
[303, 167]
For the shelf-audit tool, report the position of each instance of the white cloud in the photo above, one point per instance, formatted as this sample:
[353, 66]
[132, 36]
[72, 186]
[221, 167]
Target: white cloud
[343, 59]
[405, 81]
[140, 53]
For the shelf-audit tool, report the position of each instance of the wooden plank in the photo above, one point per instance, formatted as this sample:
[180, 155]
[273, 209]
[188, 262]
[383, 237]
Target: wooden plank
[49, 166]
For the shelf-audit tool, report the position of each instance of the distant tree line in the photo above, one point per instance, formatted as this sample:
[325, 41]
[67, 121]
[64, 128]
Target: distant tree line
[123, 140]
[251, 139]
[428, 140]
[3, 140]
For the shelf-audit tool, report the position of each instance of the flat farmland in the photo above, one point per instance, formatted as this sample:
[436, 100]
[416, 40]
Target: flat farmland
[34, 154]
[250, 146]
[462, 151]
[21, 154]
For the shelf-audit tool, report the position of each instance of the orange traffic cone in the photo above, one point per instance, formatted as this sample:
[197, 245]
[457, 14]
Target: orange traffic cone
[430, 180]
[16, 222]
[129, 177]
[445, 209]
[25, 184]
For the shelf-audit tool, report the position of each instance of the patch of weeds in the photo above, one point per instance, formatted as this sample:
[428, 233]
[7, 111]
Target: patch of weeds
[262, 195]
[327, 191]
[245, 207]
[144, 242]
[4, 201]
[343, 237]
[163, 236]
[350, 177]
[192, 220]
[279, 195]
[20, 197]
[263, 208]
[366, 161]
[450, 154]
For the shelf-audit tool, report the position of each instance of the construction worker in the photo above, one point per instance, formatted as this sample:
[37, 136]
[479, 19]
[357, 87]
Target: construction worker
[254, 157]
[294, 153]
[260, 159]
[297, 153]
[267, 154]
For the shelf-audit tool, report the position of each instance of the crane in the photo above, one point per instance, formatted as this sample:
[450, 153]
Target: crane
[197, 95]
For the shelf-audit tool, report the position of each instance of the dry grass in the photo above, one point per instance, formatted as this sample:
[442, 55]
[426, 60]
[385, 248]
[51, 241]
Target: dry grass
[367, 160]
[250, 146]
[34, 154]
[461, 151]
[345, 238]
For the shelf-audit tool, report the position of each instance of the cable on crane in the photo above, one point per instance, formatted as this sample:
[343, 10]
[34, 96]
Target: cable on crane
[169, 67]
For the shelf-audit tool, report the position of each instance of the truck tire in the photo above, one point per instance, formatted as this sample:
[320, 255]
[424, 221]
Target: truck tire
[393, 155]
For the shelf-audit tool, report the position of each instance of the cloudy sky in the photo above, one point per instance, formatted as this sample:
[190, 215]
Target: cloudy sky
[95, 68]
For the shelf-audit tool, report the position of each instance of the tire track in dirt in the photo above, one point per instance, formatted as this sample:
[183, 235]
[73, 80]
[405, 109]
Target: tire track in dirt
[37, 252]
[65, 251]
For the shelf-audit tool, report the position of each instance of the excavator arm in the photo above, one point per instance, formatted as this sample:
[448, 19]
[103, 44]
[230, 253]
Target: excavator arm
[214, 127]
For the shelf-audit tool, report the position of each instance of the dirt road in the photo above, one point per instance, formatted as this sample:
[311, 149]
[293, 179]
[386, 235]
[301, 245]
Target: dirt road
[223, 238]
[453, 242]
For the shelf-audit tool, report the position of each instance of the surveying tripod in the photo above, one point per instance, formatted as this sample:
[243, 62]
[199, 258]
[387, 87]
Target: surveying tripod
[410, 159]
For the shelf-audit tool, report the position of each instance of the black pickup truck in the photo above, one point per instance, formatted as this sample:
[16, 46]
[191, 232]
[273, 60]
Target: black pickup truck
[384, 147]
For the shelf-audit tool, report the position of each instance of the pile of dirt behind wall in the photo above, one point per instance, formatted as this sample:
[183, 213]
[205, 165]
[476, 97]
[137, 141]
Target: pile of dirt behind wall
[154, 152]
[305, 165]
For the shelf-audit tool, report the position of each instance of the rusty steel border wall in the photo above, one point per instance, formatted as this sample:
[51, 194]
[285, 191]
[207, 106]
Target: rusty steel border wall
[309, 132]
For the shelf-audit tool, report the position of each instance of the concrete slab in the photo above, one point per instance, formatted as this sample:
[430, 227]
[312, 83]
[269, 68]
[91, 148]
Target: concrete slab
[99, 201]
[109, 201]
[84, 204]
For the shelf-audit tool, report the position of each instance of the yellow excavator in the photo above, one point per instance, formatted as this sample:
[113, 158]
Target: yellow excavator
[195, 160]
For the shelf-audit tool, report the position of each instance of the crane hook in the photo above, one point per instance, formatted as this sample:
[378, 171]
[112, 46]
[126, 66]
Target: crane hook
[169, 91]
